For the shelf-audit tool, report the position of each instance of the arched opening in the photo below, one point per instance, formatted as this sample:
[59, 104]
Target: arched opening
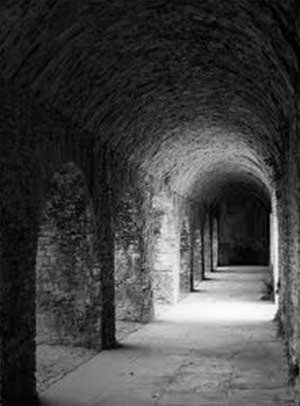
[68, 286]
[240, 210]
[243, 228]
[237, 205]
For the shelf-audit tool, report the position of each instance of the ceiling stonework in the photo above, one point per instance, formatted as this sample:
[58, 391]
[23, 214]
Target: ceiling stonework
[186, 90]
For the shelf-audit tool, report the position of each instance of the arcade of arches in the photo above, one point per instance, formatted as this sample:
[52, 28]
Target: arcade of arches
[142, 145]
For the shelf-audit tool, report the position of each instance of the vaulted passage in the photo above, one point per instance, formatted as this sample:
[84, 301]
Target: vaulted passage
[216, 347]
[145, 146]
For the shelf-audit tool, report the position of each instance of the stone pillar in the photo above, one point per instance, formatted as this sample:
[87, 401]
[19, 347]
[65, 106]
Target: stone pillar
[202, 256]
[274, 247]
[186, 256]
[207, 242]
[214, 241]
[132, 260]
[104, 245]
[284, 283]
[68, 278]
[166, 267]
[197, 256]
[18, 241]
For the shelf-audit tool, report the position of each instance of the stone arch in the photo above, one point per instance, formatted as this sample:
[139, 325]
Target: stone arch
[239, 89]
[222, 178]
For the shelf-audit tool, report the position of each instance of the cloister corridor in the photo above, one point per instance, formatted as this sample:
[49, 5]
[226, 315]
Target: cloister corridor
[217, 347]
[150, 202]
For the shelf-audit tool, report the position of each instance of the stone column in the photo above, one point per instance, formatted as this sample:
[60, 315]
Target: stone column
[166, 267]
[186, 256]
[18, 242]
[132, 243]
[207, 242]
[197, 256]
[214, 241]
[104, 245]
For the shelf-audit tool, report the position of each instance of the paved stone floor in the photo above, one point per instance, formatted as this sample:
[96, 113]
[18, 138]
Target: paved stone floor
[55, 361]
[216, 347]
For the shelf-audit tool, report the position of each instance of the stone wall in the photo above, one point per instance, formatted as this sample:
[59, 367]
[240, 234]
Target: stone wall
[166, 266]
[288, 210]
[207, 242]
[133, 239]
[71, 226]
[290, 275]
[68, 277]
[215, 241]
[19, 179]
[186, 256]
[36, 142]
[187, 93]
[197, 257]
[177, 247]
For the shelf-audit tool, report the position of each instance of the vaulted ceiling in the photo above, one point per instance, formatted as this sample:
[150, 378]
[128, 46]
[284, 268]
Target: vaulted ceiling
[190, 91]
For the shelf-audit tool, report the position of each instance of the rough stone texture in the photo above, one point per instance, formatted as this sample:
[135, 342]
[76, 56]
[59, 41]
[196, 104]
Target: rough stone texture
[289, 248]
[36, 142]
[166, 265]
[190, 76]
[274, 247]
[69, 303]
[294, 265]
[132, 239]
[197, 257]
[193, 95]
[215, 240]
[244, 231]
[207, 243]
[186, 257]
[174, 249]
[19, 219]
